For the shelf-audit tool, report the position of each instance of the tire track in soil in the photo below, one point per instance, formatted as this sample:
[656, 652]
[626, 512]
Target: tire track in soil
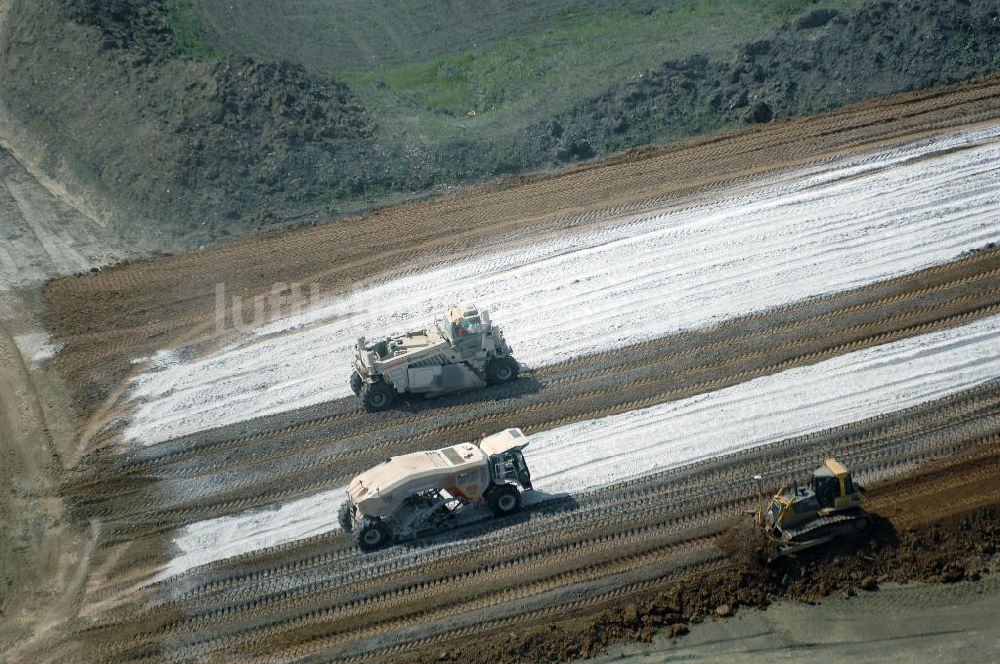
[723, 485]
[973, 269]
[328, 458]
[284, 601]
[170, 291]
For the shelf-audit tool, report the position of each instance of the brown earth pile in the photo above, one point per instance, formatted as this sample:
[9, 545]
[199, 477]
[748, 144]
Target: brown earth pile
[948, 547]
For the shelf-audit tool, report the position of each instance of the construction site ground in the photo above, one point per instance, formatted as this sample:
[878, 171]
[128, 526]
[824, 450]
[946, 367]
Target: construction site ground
[637, 560]
[898, 623]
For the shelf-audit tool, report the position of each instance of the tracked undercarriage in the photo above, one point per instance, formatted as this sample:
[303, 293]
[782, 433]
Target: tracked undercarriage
[804, 518]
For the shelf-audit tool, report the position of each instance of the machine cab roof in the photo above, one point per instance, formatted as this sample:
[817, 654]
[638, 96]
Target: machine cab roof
[505, 441]
[409, 468]
[463, 322]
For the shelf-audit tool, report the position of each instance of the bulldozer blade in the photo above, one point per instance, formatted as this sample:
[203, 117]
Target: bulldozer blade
[788, 551]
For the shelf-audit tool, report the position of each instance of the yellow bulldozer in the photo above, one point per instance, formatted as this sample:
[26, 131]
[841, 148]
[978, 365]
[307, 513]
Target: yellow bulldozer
[807, 517]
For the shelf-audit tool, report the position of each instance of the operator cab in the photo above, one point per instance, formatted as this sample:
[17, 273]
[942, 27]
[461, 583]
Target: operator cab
[832, 482]
[506, 459]
[464, 327]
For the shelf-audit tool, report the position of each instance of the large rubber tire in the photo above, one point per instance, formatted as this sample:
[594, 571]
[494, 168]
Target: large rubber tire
[372, 535]
[503, 499]
[344, 516]
[377, 396]
[356, 383]
[502, 370]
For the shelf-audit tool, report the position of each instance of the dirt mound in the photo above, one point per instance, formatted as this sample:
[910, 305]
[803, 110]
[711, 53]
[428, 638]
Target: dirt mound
[952, 550]
[184, 151]
[947, 551]
[141, 27]
[824, 60]
[269, 131]
[247, 127]
[187, 152]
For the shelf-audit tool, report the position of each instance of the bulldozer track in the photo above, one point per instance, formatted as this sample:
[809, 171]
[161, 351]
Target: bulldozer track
[318, 599]
[664, 486]
[904, 442]
[562, 609]
[924, 501]
[638, 494]
[654, 384]
[348, 414]
[396, 601]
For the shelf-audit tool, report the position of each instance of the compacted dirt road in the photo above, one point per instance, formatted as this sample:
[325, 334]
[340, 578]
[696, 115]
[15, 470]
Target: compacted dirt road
[574, 572]
[44, 552]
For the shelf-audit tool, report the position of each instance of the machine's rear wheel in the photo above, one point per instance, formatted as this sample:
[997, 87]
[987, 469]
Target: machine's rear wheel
[372, 535]
[377, 396]
[502, 370]
[344, 516]
[356, 383]
[503, 499]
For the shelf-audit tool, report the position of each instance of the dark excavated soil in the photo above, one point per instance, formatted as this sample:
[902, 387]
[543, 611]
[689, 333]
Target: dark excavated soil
[185, 152]
[818, 63]
[952, 547]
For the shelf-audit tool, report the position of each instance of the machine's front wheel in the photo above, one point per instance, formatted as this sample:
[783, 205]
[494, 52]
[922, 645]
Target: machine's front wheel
[372, 535]
[356, 383]
[503, 499]
[377, 396]
[502, 370]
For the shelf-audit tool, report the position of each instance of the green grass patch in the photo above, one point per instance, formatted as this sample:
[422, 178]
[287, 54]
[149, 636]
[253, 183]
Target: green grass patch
[187, 31]
[575, 55]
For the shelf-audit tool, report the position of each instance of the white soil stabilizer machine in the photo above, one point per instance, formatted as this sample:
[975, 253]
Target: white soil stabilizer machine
[464, 351]
[416, 494]
[804, 518]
